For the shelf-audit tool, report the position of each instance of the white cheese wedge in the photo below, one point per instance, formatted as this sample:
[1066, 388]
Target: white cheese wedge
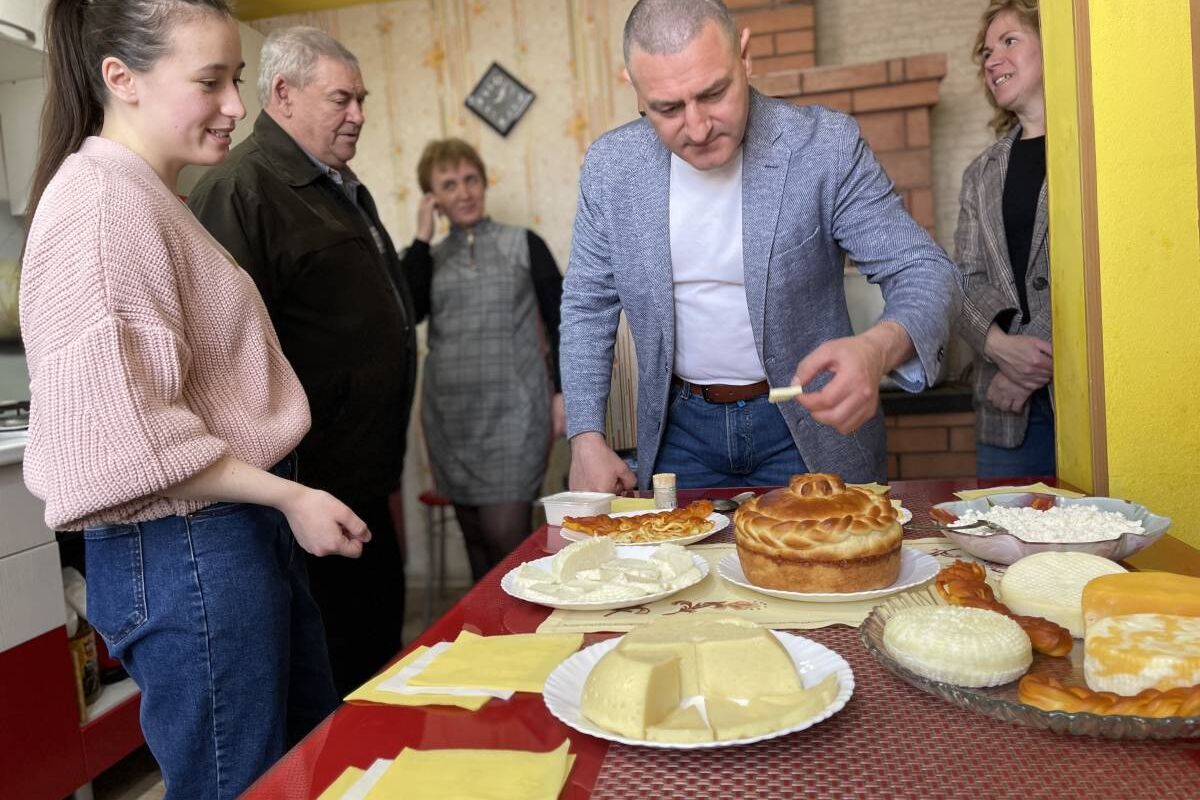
[1050, 585]
[962, 646]
[675, 560]
[684, 725]
[626, 692]
[1130, 653]
[585, 555]
[528, 575]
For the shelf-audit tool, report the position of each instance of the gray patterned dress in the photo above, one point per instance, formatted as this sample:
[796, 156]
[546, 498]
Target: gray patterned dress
[486, 394]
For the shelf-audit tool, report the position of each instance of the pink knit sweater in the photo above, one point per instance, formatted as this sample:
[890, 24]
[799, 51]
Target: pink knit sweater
[150, 352]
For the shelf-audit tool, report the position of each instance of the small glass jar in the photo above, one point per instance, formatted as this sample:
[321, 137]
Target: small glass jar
[664, 490]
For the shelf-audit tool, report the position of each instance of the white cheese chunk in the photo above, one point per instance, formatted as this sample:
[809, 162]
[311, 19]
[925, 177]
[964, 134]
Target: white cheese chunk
[1050, 585]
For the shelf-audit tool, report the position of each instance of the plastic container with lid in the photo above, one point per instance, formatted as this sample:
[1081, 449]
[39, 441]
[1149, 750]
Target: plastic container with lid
[575, 504]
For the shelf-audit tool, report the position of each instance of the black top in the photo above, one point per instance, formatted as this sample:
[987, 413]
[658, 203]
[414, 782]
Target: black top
[1022, 185]
[547, 285]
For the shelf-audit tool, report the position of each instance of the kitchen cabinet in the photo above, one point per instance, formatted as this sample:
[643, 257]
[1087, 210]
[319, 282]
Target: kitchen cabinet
[21, 38]
[20, 112]
[45, 751]
[23, 21]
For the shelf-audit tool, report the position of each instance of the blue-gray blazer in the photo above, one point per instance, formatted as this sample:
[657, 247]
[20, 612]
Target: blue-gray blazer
[812, 191]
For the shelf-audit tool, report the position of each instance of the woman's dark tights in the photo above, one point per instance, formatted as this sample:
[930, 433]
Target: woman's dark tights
[491, 532]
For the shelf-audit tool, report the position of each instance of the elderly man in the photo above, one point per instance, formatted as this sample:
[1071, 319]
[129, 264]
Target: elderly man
[291, 212]
[719, 223]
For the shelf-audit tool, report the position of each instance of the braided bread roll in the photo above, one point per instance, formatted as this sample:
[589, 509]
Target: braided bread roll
[1049, 694]
[819, 535]
[962, 584]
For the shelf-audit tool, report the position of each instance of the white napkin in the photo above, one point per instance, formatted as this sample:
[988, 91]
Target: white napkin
[358, 790]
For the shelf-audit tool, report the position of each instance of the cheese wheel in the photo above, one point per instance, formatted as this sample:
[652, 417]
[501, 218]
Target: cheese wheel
[1140, 593]
[1130, 653]
[958, 645]
[1050, 585]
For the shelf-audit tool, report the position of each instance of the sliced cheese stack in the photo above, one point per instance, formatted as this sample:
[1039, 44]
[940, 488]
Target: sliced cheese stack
[746, 678]
[958, 645]
[1140, 593]
[1129, 653]
[1050, 585]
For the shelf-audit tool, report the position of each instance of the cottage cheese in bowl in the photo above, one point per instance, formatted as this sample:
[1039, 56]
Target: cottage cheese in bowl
[1074, 523]
[1103, 526]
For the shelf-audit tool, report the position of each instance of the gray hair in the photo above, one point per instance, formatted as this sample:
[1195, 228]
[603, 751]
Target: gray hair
[663, 27]
[293, 53]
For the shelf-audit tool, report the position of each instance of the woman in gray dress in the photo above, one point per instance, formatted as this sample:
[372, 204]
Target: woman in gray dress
[491, 399]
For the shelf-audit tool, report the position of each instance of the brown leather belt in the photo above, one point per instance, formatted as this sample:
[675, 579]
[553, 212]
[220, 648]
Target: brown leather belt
[721, 392]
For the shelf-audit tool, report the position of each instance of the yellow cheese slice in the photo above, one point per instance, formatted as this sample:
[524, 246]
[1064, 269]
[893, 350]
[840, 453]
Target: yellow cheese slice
[1050, 585]
[1140, 593]
[1130, 653]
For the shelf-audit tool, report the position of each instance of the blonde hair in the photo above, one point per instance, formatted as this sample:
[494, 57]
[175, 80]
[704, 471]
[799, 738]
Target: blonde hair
[447, 153]
[1003, 120]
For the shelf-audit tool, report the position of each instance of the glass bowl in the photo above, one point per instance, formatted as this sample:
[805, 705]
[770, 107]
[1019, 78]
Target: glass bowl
[1005, 548]
[1002, 703]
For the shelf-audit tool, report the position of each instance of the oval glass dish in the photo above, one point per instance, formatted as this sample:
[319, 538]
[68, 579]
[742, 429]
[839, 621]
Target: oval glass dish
[1005, 548]
[1001, 702]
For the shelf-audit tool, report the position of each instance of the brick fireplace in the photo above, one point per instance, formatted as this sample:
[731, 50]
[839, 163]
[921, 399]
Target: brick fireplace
[891, 100]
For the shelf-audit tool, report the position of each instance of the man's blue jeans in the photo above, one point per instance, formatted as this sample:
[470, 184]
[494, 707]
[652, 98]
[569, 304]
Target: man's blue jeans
[726, 444]
[212, 617]
[1034, 456]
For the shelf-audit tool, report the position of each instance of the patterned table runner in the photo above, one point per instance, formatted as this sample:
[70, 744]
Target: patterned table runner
[716, 595]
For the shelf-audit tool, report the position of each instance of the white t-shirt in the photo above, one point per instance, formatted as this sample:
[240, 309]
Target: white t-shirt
[714, 342]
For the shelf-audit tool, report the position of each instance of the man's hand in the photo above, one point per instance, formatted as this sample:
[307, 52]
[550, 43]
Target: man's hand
[1006, 395]
[426, 217]
[858, 363]
[596, 468]
[558, 416]
[1026, 360]
[324, 525]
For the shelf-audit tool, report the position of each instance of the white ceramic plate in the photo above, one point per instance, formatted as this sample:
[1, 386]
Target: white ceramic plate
[814, 662]
[509, 582]
[915, 568]
[720, 523]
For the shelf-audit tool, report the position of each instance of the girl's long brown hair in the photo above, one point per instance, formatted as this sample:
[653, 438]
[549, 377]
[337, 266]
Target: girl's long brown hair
[80, 34]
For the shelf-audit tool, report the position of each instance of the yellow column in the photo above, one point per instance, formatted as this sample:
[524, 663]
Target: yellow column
[1125, 250]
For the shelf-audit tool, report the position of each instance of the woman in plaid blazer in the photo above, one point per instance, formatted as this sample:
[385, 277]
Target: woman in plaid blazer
[1002, 251]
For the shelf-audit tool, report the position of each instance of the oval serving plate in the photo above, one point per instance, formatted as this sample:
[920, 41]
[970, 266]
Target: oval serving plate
[916, 568]
[1002, 703]
[1005, 548]
[509, 584]
[814, 662]
[720, 522]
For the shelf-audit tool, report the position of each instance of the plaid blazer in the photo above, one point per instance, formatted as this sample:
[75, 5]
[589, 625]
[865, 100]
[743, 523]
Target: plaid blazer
[989, 288]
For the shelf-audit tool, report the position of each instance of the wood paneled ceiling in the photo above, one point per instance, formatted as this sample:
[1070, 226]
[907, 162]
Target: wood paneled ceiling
[259, 9]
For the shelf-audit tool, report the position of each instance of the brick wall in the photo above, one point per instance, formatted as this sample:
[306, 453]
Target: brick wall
[931, 446]
[783, 33]
[891, 100]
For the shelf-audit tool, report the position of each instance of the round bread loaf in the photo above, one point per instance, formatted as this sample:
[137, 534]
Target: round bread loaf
[819, 535]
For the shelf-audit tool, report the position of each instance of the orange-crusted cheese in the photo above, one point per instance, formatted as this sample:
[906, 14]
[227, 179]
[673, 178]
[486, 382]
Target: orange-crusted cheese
[1140, 593]
[1130, 653]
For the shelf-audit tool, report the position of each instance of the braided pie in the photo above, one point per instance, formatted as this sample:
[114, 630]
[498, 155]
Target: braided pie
[819, 535]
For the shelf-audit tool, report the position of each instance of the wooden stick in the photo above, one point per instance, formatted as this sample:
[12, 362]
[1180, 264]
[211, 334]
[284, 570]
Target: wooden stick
[784, 393]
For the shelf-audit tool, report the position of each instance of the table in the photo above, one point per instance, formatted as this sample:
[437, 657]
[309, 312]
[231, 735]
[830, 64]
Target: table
[891, 740]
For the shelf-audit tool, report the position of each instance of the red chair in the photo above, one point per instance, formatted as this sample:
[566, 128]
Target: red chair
[436, 508]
